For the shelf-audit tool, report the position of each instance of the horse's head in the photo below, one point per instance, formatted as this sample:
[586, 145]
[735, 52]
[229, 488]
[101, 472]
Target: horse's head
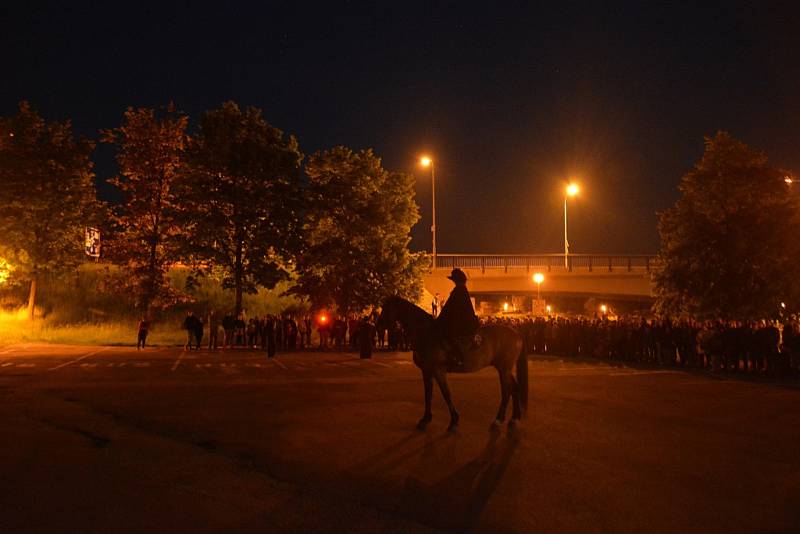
[390, 311]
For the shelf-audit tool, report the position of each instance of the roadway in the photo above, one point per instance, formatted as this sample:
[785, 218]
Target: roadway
[102, 439]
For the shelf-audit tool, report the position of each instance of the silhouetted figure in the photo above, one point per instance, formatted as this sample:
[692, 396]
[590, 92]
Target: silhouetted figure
[141, 334]
[190, 324]
[366, 335]
[435, 305]
[457, 322]
[213, 327]
[270, 334]
[228, 327]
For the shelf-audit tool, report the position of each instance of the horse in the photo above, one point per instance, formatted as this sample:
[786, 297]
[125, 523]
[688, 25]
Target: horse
[501, 347]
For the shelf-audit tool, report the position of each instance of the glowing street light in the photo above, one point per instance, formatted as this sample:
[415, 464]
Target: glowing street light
[425, 161]
[538, 278]
[549, 309]
[571, 190]
[788, 179]
[505, 306]
[603, 308]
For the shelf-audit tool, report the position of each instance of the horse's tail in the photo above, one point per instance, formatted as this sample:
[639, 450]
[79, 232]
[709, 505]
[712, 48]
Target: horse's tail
[522, 378]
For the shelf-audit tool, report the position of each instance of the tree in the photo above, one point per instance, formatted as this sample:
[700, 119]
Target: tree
[357, 233]
[47, 194]
[150, 154]
[241, 197]
[729, 244]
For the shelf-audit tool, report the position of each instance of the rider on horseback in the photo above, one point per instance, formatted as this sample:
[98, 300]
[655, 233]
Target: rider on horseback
[457, 321]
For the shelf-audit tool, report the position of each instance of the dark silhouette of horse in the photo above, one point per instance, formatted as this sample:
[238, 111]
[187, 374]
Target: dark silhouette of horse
[501, 347]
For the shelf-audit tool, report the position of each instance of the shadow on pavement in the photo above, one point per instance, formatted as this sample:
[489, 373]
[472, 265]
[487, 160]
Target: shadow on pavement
[456, 501]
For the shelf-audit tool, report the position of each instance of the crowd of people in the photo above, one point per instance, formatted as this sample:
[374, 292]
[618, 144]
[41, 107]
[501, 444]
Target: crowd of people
[278, 333]
[771, 347]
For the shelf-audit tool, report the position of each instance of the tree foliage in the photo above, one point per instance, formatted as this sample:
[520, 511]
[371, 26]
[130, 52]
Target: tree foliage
[359, 216]
[729, 244]
[47, 193]
[241, 198]
[150, 154]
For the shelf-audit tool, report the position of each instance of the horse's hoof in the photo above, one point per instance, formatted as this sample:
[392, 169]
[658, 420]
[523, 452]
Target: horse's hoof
[423, 423]
[453, 423]
[496, 425]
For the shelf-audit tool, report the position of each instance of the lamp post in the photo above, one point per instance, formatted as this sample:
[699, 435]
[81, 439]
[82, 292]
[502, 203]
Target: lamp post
[538, 278]
[571, 191]
[425, 161]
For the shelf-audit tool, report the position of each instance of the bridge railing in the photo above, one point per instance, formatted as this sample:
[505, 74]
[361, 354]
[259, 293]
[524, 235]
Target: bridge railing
[548, 262]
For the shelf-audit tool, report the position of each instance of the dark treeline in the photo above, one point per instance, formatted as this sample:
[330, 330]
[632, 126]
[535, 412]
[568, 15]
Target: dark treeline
[226, 194]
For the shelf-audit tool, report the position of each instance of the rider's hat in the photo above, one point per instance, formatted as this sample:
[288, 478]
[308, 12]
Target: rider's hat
[458, 276]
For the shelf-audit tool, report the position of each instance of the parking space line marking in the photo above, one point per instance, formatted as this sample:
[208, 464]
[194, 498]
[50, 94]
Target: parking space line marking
[279, 363]
[79, 359]
[14, 348]
[178, 361]
[637, 373]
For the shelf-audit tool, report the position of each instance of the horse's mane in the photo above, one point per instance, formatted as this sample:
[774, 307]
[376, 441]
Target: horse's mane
[410, 308]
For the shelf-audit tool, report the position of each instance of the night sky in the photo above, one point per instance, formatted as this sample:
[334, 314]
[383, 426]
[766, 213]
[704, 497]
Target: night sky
[510, 99]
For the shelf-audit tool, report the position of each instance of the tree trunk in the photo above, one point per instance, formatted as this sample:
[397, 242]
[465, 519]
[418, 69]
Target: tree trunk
[237, 278]
[32, 294]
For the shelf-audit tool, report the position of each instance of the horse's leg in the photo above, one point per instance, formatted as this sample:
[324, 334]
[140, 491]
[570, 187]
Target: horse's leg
[516, 413]
[441, 379]
[505, 393]
[428, 382]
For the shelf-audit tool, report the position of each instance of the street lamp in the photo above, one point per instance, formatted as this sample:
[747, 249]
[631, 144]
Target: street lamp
[538, 278]
[604, 309]
[425, 161]
[571, 191]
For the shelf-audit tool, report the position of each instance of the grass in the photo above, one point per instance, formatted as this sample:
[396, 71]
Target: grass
[15, 327]
[89, 307]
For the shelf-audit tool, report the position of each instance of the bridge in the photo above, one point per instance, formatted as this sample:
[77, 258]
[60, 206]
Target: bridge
[509, 277]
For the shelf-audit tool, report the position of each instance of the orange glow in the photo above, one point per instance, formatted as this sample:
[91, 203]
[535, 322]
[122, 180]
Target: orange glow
[425, 161]
[603, 308]
[572, 190]
[5, 270]
[538, 278]
[788, 179]
[323, 318]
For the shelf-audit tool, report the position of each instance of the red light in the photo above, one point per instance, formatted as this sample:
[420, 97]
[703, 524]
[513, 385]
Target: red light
[323, 318]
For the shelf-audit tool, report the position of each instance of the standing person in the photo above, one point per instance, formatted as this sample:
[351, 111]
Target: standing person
[198, 331]
[142, 331]
[435, 303]
[291, 330]
[270, 334]
[301, 331]
[239, 339]
[307, 322]
[323, 329]
[189, 326]
[228, 326]
[354, 330]
[366, 335]
[213, 326]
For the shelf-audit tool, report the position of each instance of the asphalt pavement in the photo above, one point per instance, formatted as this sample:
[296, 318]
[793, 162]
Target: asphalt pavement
[110, 439]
